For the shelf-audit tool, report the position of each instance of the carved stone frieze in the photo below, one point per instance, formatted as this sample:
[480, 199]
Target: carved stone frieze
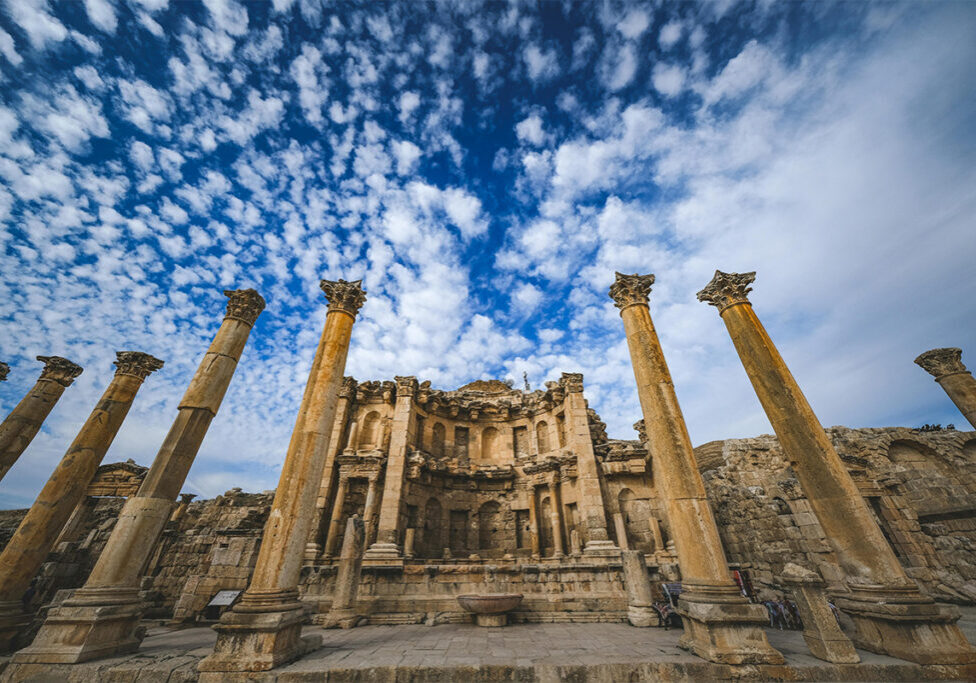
[942, 362]
[60, 370]
[344, 296]
[727, 289]
[629, 290]
[244, 305]
[376, 392]
[136, 363]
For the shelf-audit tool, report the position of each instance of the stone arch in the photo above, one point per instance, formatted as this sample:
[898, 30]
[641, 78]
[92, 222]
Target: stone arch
[491, 529]
[489, 445]
[437, 440]
[433, 529]
[371, 434]
[542, 436]
[917, 456]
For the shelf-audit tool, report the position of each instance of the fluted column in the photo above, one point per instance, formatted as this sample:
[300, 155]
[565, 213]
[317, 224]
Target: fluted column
[335, 521]
[35, 537]
[369, 509]
[264, 629]
[947, 368]
[386, 550]
[108, 604]
[23, 423]
[555, 519]
[720, 625]
[891, 615]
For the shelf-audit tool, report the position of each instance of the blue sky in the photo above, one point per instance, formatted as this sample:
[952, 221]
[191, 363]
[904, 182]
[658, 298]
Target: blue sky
[485, 169]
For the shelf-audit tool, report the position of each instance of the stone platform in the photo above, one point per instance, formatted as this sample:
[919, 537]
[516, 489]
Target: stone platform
[461, 652]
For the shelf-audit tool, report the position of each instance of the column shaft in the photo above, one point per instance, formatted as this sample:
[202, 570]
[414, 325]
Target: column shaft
[534, 531]
[947, 367]
[22, 424]
[335, 521]
[369, 510]
[554, 514]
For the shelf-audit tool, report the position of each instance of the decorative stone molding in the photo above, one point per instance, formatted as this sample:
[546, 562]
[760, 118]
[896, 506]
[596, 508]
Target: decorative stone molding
[60, 370]
[727, 289]
[136, 363]
[244, 305]
[572, 382]
[942, 362]
[630, 290]
[406, 386]
[641, 431]
[348, 388]
[376, 392]
[4, 371]
[344, 296]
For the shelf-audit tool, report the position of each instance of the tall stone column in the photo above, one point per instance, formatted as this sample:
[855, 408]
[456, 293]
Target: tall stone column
[23, 423]
[107, 607]
[947, 368]
[580, 441]
[891, 615]
[554, 519]
[263, 630]
[385, 552]
[534, 530]
[720, 624]
[35, 537]
[369, 508]
[342, 613]
[335, 522]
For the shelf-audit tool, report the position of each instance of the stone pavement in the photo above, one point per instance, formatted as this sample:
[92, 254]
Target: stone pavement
[460, 652]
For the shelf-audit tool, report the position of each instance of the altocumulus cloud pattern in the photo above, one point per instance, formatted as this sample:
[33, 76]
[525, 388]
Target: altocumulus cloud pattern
[484, 168]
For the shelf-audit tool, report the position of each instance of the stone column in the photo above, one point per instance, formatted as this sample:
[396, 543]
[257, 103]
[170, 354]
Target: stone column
[534, 532]
[336, 520]
[69, 533]
[23, 423]
[720, 624]
[591, 507]
[263, 630]
[342, 614]
[185, 500]
[385, 552]
[656, 534]
[621, 528]
[313, 549]
[408, 542]
[353, 437]
[890, 613]
[555, 518]
[947, 368]
[820, 628]
[640, 597]
[108, 605]
[369, 508]
[35, 537]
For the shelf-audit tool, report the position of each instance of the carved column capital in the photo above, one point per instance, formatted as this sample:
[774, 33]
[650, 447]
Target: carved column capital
[727, 289]
[641, 431]
[4, 371]
[60, 370]
[406, 386]
[630, 290]
[348, 388]
[344, 296]
[186, 498]
[136, 363]
[942, 362]
[244, 305]
[572, 382]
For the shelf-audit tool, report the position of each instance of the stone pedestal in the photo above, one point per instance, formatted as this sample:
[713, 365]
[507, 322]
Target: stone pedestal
[821, 631]
[491, 620]
[40, 528]
[891, 614]
[263, 630]
[640, 597]
[109, 600]
[343, 611]
[21, 426]
[947, 368]
[720, 625]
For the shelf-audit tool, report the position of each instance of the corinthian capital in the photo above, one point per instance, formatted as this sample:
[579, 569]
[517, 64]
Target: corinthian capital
[136, 363]
[344, 296]
[244, 305]
[60, 370]
[348, 388]
[572, 382]
[628, 290]
[942, 362]
[406, 386]
[727, 289]
[4, 371]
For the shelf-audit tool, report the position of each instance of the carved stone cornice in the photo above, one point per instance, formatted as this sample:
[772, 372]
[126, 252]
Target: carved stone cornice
[136, 364]
[244, 305]
[4, 371]
[348, 388]
[406, 386]
[727, 289]
[344, 296]
[60, 370]
[641, 431]
[942, 362]
[376, 392]
[631, 290]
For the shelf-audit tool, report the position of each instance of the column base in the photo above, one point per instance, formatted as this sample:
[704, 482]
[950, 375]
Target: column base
[78, 632]
[601, 549]
[13, 623]
[721, 626]
[343, 619]
[641, 616]
[313, 552]
[901, 622]
[383, 555]
[257, 641]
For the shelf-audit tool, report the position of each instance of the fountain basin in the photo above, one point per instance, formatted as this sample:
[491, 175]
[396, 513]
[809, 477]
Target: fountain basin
[490, 609]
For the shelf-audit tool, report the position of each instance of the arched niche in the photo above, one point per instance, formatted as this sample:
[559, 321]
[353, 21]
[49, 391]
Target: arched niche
[494, 536]
[917, 456]
[637, 522]
[371, 433]
[490, 443]
[437, 440]
[542, 436]
[433, 541]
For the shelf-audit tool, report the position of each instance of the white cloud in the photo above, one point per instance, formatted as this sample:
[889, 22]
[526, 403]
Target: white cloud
[406, 154]
[670, 34]
[33, 17]
[530, 130]
[308, 70]
[8, 50]
[228, 16]
[542, 65]
[409, 101]
[624, 67]
[668, 79]
[526, 298]
[102, 14]
[634, 23]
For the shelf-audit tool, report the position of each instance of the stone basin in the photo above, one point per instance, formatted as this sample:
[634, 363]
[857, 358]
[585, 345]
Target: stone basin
[489, 608]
